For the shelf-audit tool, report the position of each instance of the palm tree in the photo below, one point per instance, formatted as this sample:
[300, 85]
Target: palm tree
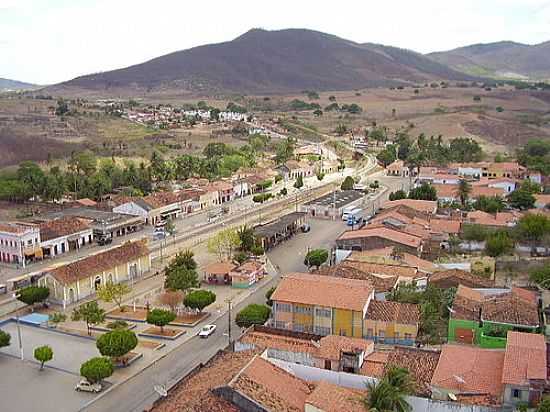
[464, 190]
[388, 394]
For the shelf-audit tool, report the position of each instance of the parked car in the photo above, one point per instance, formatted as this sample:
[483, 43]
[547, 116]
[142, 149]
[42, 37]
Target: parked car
[85, 386]
[207, 330]
[305, 228]
[104, 240]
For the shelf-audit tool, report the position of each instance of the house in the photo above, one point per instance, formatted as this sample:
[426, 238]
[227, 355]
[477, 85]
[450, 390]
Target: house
[397, 168]
[247, 274]
[61, 235]
[223, 189]
[271, 234]
[524, 374]
[218, 273]
[19, 243]
[80, 279]
[379, 237]
[483, 316]
[497, 220]
[322, 305]
[392, 322]
[295, 169]
[422, 206]
[471, 371]
[241, 187]
[452, 278]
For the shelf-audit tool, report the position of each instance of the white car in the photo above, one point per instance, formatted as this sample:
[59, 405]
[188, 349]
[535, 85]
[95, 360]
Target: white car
[207, 330]
[86, 386]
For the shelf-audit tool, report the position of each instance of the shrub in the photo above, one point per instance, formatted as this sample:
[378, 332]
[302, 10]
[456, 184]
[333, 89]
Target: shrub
[116, 343]
[118, 324]
[43, 354]
[253, 314]
[5, 338]
[199, 299]
[97, 369]
[33, 294]
[348, 183]
[160, 318]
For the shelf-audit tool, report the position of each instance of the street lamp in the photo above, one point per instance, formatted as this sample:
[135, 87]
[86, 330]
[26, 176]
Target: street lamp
[16, 296]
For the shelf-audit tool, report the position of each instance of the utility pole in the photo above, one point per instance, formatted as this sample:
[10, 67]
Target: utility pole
[229, 322]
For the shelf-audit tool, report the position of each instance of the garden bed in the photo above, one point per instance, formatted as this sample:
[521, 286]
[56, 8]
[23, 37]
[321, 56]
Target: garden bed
[190, 319]
[151, 345]
[140, 315]
[103, 327]
[168, 333]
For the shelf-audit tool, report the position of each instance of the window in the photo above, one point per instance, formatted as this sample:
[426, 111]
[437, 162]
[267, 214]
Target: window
[321, 330]
[324, 313]
[303, 309]
[408, 336]
[381, 335]
[396, 335]
[282, 307]
[516, 393]
[297, 327]
[369, 333]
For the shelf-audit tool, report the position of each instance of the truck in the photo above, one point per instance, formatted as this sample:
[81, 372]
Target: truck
[356, 218]
[347, 210]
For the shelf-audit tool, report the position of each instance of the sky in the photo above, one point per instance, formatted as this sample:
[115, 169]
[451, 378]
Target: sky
[49, 41]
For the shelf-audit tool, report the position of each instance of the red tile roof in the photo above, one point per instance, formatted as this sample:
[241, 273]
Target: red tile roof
[263, 337]
[384, 233]
[64, 226]
[332, 345]
[374, 365]
[219, 268]
[426, 206]
[343, 270]
[460, 277]
[328, 397]
[94, 264]
[387, 311]
[309, 289]
[469, 369]
[525, 358]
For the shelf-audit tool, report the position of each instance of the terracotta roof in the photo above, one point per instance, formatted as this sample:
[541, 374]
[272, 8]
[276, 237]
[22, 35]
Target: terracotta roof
[478, 191]
[343, 270]
[325, 291]
[498, 219]
[445, 226]
[387, 311]
[460, 277]
[469, 369]
[478, 400]
[426, 206]
[64, 226]
[332, 345]
[525, 294]
[272, 387]
[270, 338]
[15, 228]
[328, 397]
[394, 269]
[510, 309]
[467, 304]
[219, 268]
[160, 199]
[374, 364]
[385, 233]
[390, 214]
[193, 393]
[94, 264]
[420, 363]
[86, 202]
[447, 191]
[249, 266]
[525, 358]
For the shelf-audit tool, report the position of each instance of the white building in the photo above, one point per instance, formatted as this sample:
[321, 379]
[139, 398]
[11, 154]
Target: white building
[19, 242]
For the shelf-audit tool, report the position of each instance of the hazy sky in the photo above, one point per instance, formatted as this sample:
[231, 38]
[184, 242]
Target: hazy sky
[48, 41]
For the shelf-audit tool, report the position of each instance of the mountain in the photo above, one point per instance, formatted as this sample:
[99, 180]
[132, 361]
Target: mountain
[501, 59]
[9, 85]
[262, 61]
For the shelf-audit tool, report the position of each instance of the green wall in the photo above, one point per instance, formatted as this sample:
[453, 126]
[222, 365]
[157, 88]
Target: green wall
[463, 324]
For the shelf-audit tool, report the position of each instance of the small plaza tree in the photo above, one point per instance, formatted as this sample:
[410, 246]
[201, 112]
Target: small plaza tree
[97, 369]
[316, 257]
[348, 183]
[33, 294]
[116, 343]
[160, 318]
[113, 292]
[224, 243]
[199, 299]
[181, 272]
[43, 354]
[5, 338]
[253, 314]
[299, 182]
[90, 313]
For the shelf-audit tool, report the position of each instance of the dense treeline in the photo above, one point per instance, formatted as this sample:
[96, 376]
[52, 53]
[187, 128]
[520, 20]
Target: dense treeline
[535, 155]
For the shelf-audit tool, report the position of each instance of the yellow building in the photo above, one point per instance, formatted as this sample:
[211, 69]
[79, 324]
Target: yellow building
[80, 279]
[326, 305]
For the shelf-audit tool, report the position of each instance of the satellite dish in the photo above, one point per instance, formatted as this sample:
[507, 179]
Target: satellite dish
[161, 390]
[452, 397]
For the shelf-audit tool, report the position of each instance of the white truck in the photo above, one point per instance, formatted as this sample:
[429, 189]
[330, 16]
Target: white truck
[356, 218]
[347, 211]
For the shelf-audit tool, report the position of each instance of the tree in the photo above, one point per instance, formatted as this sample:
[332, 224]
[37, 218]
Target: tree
[253, 314]
[400, 378]
[183, 259]
[533, 227]
[541, 276]
[5, 338]
[284, 150]
[160, 318]
[116, 343]
[113, 292]
[544, 406]
[247, 238]
[97, 369]
[318, 112]
[268, 294]
[316, 257]
[181, 278]
[320, 175]
[169, 227]
[171, 298]
[43, 354]
[387, 156]
[33, 294]
[30, 173]
[388, 394]
[498, 244]
[224, 243]
[464, 190]
[521, 199]
[398, 195]
[57, 318]
[491, 204]
[348, 183]
[90, 313]
[199, 299]
[423, 192]
[62, 107]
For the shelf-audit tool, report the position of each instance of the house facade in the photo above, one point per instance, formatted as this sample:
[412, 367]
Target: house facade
[78, 280]
[62, 235]
[19, 243]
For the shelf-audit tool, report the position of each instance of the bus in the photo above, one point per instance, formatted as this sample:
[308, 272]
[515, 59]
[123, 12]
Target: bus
[356, 218]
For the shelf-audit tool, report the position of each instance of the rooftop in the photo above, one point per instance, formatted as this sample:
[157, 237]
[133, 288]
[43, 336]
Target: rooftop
[461, 277]
[263, 337]
[425, 206]
[331, 346]
[219, 268]
[343, 270]
[325, 291]
[332, 398]
[94, 264]
[387, 311]
[469, 369]
[339, 198]
[64, 226]
[15, 228]
[525, 358]
[388, 255]
[383, 232]
[278, 226]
